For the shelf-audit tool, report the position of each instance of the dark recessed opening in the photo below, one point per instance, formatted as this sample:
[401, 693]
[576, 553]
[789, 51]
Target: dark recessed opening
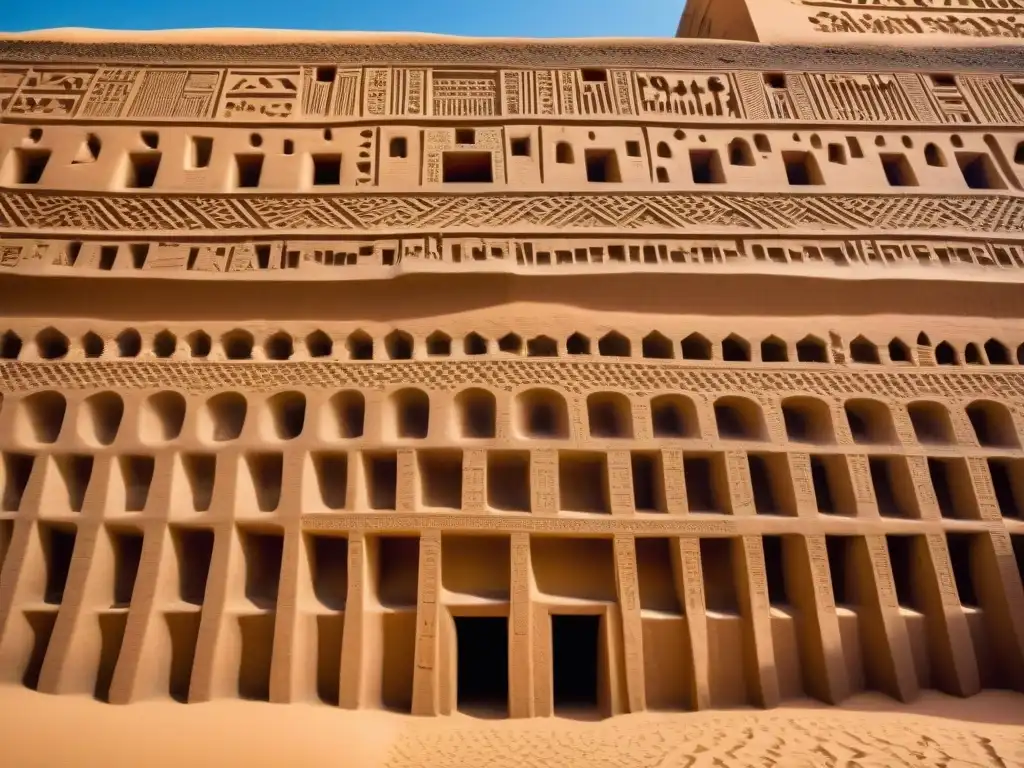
[482, 659]
[648, 495]
[933, 156]
[837, 154]
[838, 548]
[326, 74]
[574, 660]
[326, 170]
[739, 153]
[961, 549]
[17, 468]
[58, 547]
[108, 255]
[594, 75]
[508, 480]
[30, 164]
[142, 169]
[465, 136]
[602, 165]
[127, 546]
[706, 166]
[801, 168]
[399, 147]
[467, 167]
[1002, 473]
[249, 168]
[897, 170]
[978, 170]
[775, 570]
[702, 489]
[901, 560]
[564, 153]
[633, 149]
[202, 149]
[520, 146]
[193, 548]
[381, 480]
[262, 553]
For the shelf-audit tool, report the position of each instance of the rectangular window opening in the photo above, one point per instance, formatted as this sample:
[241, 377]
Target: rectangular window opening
[202, 150]
[583, 483]
[326, 170]
[461, 167]
[801, 168]
[248, 170]
[142, 169]
[520, 146]
[897, 170]
[30, 164]
[602, 166]
[706, 166]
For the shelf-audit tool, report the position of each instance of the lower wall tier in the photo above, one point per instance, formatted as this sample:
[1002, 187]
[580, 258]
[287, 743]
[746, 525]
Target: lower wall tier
[512, 624]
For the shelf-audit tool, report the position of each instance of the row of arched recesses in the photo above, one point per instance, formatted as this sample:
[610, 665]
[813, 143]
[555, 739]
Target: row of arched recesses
[539, 413]
[239, 344]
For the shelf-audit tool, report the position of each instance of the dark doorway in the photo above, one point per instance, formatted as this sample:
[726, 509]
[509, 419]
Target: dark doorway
[482, 643]
[574, 656]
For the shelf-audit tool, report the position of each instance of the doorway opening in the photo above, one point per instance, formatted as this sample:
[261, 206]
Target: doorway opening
[482, 643]
[574, 659]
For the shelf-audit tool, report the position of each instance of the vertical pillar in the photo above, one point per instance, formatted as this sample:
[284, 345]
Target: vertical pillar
[984, 493]
[690, 584]
[924, 493]
[628, 590]
[57, 674]
[803, 484]
[141, 612]
[520, 666]
[889, 662]
[620, 483]
[641, 410]
[863, 489]
[674, 481]
[741, 492]
[405, 493]
[425, 693]
[752, 583]
[350, 687]
[949, 636]
[544, 481]
[810, 586]
[999, 589]
[215, 600]
[474, 473]
[283, 660]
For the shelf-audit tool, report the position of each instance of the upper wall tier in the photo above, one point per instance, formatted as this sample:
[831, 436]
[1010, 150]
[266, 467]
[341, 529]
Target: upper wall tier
[827, 22]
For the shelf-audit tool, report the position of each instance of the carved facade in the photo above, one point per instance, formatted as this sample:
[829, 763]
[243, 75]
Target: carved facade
[656, 375]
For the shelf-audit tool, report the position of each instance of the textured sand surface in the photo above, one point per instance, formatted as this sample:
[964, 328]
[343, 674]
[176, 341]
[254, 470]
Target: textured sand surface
[937, 730]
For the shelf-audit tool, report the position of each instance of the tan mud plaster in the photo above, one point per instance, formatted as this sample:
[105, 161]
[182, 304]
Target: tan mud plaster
[520, 379]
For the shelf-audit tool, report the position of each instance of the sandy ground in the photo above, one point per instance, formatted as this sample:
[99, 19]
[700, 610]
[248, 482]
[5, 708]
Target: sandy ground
[870, 731]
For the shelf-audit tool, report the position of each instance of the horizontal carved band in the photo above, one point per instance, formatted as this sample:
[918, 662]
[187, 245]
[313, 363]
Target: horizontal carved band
[340, 258]
[503, 375]
[288, 94]
[435, 213]
[668, 53]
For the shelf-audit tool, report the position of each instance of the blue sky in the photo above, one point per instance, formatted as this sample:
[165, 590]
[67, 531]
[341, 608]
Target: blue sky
[534, 18]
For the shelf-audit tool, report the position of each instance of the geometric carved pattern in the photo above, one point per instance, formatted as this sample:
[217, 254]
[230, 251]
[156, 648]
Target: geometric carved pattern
[502, 375]
[988, 213]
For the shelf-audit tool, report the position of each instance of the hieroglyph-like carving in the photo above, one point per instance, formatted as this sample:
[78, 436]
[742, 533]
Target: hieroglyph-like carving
[972, 25]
